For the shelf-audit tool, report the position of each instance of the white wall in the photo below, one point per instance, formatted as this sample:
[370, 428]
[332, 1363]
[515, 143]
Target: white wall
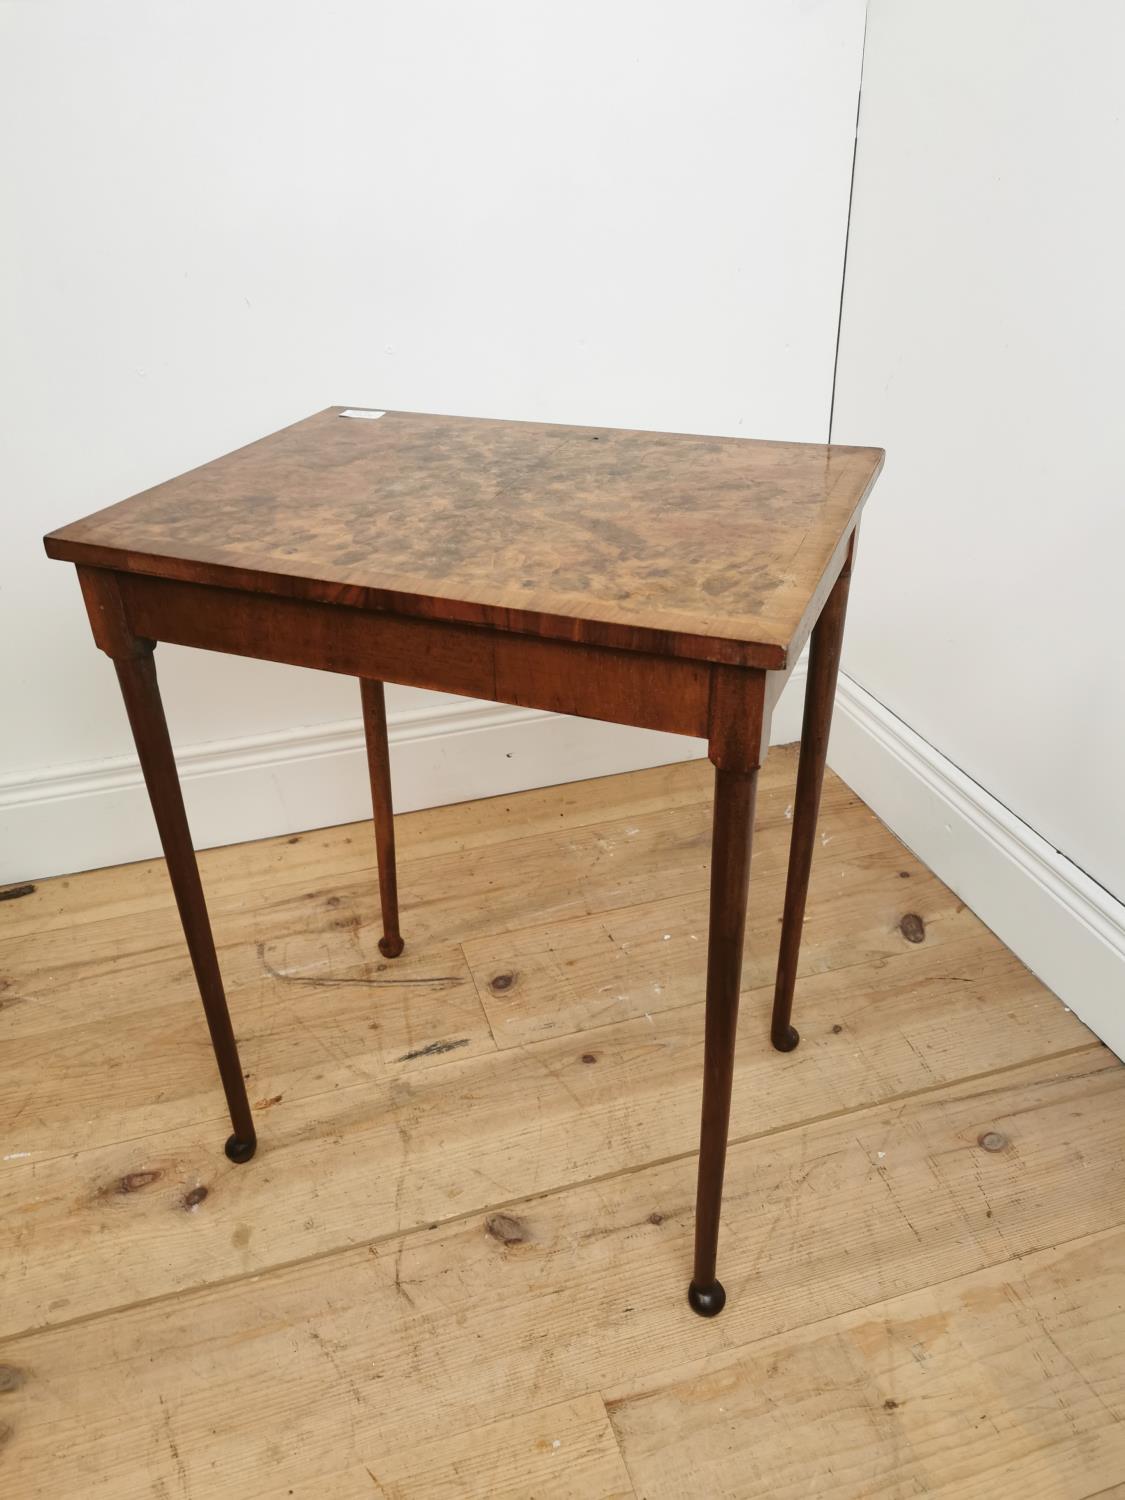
[223, 216]
[982, 338]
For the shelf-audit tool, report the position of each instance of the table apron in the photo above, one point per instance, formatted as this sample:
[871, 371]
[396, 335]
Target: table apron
[624, 687]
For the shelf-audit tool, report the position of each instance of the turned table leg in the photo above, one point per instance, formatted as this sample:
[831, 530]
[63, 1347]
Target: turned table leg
[379, 766]
[820, 694]
[730, 879]
[137, 676]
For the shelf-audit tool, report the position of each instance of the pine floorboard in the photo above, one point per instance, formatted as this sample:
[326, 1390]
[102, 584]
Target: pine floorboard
[457, 1265]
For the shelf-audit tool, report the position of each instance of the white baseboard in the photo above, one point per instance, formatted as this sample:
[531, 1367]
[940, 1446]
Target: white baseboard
[62, 819]
[1063, 925]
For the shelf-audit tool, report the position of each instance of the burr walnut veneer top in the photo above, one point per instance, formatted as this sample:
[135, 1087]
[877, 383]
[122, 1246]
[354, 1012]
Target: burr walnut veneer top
[705, 547]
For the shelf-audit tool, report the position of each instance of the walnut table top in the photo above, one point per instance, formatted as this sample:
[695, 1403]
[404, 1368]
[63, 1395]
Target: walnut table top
[702, 547]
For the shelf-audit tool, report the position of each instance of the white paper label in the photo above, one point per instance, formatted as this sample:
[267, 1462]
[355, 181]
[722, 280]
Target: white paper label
[354, 411]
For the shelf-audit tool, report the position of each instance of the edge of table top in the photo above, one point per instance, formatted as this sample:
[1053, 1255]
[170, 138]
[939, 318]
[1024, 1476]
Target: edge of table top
[768, 650]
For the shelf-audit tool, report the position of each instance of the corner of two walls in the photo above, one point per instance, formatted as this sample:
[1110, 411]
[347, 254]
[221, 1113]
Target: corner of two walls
[980, 710]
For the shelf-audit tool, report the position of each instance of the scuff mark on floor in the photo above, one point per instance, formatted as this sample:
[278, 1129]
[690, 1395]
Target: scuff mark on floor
[329, 982]
[434, 1049]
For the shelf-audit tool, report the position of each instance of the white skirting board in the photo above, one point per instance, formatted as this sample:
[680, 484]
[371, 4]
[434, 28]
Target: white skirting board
[62, 819]
[1068, 929]
[1062, 924]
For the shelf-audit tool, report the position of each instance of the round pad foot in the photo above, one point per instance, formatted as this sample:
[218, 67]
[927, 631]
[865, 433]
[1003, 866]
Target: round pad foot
[708, 1302]
[240, 1151]
[391, 947]
[787, 1040]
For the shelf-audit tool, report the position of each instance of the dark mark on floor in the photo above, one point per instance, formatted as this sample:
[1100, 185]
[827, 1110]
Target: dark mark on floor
[507, 1229]
[194, 1198]
[172, 1448]
[133, 1182]
[14, 892]
[11, 1378]
[913, 928]
[434, 1049]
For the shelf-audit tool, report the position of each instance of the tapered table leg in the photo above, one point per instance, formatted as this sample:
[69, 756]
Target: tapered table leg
[137, 676]
[820, 694]
[730, 880]
[379, 766]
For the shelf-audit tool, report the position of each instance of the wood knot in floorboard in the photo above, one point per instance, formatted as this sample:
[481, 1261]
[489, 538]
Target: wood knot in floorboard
[507, 1229]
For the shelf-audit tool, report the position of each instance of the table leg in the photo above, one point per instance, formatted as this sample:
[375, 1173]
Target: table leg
[730, 880]
[820, 694]
[379, 766]
[137, 676]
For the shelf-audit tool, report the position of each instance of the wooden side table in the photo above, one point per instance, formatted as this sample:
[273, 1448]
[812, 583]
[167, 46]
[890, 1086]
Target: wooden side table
[661, 580]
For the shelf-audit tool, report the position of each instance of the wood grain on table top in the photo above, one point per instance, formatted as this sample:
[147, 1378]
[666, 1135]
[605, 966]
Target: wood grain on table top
[696, 546]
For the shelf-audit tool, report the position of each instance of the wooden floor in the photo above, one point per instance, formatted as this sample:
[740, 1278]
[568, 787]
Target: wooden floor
[457, 1265]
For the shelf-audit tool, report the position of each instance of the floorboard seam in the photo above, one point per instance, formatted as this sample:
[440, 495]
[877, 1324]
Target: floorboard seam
[375, 1241]
[732, 1353]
